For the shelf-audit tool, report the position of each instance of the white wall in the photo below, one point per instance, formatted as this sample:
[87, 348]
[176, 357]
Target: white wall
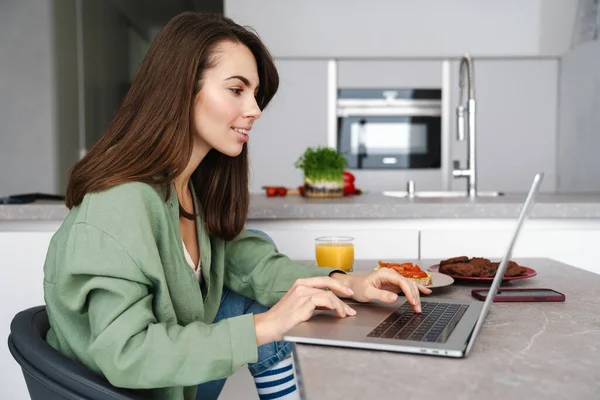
[408, 28]
[516, 124]
[293, 121]
[579, 120]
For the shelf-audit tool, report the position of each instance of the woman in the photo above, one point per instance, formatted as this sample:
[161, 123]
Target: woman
[152, 280]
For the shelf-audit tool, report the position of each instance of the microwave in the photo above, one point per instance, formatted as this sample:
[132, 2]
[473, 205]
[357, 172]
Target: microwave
[390, 128]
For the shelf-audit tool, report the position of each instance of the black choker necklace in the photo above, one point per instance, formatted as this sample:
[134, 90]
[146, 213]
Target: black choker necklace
[186, 214]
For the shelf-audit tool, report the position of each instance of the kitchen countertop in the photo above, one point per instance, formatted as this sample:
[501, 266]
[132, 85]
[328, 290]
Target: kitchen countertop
[372, 206]
[524, 351]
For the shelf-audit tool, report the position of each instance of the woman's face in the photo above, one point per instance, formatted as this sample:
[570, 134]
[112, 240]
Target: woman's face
[225, 107]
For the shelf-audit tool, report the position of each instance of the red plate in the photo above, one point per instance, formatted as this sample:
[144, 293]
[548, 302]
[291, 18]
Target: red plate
[530, 273]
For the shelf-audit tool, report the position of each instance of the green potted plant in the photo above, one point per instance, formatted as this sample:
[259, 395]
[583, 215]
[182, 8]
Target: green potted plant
[323, 172]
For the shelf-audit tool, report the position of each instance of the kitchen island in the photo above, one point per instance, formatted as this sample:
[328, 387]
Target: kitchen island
[371, 206]
[562, 227]
[565, 227]
[524, 351]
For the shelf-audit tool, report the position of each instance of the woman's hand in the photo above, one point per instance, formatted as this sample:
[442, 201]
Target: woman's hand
[298, 305]
[383, 285]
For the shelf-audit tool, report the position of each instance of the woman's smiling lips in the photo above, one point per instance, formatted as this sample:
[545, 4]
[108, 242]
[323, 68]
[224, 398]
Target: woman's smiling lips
[242, 133]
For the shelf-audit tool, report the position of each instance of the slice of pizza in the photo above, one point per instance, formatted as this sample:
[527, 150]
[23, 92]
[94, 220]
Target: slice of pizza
[409, 271]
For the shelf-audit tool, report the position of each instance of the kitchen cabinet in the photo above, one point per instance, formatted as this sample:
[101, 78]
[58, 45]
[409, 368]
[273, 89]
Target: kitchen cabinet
[21, 287]
[373, 239]
[572, 245]
[570, 241]
[579, 120]
[517, 105]
[295, 120]
[395, 74]
[516, 130]
[403, 28]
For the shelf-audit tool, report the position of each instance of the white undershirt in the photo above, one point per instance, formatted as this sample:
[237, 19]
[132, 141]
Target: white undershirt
[189, 260]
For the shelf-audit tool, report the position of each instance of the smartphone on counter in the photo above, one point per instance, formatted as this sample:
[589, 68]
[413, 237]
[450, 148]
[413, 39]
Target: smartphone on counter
[521, 294]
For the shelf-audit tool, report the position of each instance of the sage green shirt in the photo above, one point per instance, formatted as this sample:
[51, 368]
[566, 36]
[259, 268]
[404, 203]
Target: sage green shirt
[123, 301]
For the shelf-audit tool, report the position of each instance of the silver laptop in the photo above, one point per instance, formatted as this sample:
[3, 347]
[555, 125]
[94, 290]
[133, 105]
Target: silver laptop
[445, 327]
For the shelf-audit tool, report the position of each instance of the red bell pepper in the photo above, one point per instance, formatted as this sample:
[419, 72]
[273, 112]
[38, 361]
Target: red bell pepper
[348, 177]
[349, 187]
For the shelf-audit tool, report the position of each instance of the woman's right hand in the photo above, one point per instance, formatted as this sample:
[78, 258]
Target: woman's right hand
[298, 305]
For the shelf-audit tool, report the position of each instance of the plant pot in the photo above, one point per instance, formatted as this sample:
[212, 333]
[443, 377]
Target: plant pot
[323, 189]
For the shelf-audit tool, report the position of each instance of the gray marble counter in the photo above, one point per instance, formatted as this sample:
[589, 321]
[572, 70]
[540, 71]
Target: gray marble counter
[372, 206]
[524, 351]
[42, 210]
[375, 206]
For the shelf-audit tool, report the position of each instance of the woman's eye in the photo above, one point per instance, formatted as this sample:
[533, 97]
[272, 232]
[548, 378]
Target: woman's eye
[236, 90]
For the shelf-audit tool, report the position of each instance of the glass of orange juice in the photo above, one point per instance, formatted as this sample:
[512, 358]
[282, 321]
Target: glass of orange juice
[335, 252]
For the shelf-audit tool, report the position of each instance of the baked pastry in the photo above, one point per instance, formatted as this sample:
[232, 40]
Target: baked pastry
[513, 269]
[461, 269]
[461, 259]
[410, 271]
[478, 267]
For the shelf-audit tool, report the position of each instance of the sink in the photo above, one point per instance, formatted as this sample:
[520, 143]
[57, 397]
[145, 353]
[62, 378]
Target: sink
[440, 194]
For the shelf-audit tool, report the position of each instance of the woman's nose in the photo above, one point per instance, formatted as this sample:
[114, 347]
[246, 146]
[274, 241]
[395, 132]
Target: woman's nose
[252, 109]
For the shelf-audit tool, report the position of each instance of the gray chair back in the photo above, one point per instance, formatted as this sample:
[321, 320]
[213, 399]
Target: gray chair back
[49, 375]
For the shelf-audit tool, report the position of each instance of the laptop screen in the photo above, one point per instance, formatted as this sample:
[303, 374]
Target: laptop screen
[537, 180]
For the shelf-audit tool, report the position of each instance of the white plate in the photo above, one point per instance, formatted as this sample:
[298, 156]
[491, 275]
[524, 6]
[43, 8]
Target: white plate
[439, 280]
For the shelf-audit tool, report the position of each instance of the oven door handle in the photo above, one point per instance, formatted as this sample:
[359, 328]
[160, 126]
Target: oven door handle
[388, 112]
[362, 146]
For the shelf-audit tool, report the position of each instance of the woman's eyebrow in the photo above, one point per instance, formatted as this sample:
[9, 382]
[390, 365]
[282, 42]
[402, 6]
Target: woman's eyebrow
[244, 80]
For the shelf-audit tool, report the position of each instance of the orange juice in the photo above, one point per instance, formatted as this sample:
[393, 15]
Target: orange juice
[335, 255]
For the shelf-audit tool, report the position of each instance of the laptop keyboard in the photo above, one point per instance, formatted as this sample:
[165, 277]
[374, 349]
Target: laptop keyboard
[435, 323]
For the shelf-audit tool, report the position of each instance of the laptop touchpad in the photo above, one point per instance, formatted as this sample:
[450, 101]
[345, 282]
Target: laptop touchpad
[367, 314]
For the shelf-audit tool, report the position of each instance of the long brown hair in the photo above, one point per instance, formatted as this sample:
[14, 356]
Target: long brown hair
[150, 137]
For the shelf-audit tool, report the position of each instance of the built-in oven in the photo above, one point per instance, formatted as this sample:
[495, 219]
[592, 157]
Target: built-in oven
[390, 128]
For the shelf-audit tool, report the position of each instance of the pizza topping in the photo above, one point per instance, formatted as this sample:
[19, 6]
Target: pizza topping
[407, 269]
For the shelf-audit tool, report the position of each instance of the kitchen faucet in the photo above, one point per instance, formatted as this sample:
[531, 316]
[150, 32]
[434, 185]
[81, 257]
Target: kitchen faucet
[465, 118]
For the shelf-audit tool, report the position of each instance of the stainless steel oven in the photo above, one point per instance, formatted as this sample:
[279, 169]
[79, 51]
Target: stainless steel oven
[390, 128]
